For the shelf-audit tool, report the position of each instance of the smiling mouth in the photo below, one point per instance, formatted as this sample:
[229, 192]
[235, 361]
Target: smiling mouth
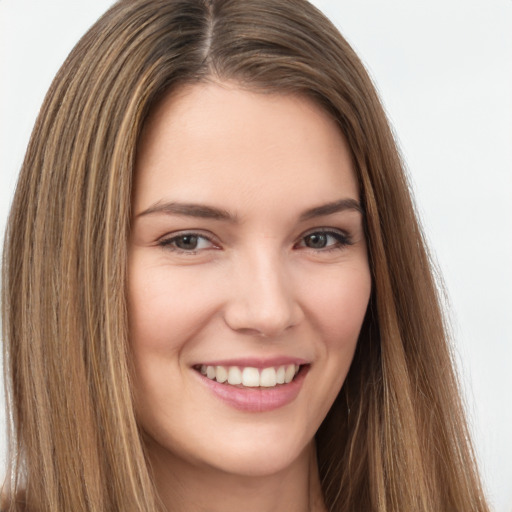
[250, 377]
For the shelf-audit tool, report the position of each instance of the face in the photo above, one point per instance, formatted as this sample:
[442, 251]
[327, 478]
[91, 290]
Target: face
[248, 276]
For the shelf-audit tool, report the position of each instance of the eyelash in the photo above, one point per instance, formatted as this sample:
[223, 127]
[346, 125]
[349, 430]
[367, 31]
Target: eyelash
[342, 240]
[169, 243]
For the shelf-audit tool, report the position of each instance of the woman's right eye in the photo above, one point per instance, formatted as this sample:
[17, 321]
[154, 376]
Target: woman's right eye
[187, 243]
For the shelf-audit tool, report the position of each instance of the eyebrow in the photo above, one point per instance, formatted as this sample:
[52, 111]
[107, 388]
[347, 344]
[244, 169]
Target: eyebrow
[210, 212]
[330, 208]
[190, 210]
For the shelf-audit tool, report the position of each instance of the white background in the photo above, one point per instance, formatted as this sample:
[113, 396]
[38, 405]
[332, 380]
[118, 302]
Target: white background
[444, 71]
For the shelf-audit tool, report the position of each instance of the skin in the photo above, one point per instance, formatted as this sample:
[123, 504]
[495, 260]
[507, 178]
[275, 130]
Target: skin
[253, 287]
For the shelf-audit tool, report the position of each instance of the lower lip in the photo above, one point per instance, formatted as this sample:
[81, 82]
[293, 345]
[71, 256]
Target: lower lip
[257, 399]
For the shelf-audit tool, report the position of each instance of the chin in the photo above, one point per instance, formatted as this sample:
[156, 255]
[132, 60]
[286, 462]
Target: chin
[250, 450]
[256, 462]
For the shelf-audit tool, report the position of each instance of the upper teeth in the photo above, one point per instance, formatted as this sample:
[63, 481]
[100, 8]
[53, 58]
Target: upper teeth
[251, 377]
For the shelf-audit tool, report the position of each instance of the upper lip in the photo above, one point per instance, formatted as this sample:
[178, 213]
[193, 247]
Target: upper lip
[255, 362]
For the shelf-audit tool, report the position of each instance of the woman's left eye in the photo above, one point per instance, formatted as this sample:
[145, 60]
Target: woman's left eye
[187, 242]
[324, 240]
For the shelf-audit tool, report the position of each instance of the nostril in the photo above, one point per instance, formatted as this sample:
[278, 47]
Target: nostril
[262, 301]
[249, 321]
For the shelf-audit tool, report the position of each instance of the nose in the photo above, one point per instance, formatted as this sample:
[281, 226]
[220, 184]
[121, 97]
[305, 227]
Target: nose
[262, 301]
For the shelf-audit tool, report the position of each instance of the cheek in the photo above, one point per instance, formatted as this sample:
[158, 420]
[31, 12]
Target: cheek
[339, 309]
[166, 308]
[338, 304]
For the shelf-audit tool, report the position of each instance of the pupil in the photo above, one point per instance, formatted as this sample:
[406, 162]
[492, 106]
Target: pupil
[187, 242]
[316, 241]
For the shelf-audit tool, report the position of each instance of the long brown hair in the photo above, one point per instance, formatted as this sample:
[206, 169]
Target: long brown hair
[395, 439]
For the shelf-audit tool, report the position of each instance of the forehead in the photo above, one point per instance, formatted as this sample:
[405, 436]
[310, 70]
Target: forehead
[218, 142]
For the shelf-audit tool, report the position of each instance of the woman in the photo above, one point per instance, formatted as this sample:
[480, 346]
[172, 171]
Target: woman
[212, 194]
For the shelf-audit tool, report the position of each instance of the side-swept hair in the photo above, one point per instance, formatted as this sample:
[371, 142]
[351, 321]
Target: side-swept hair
[395, 439]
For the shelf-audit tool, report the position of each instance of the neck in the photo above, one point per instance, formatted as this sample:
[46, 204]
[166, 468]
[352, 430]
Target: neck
[185, 486]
